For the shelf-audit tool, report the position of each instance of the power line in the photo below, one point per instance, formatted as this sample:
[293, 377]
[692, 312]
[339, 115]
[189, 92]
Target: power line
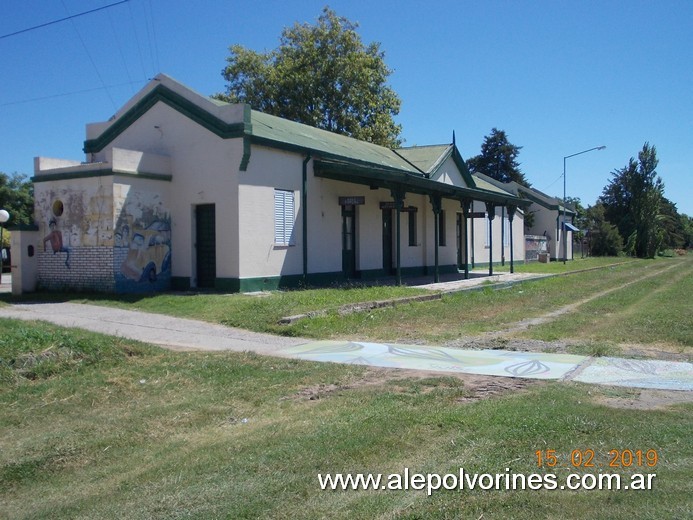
[63, 19]
[86, 49]
[63, 94]
[554, 182]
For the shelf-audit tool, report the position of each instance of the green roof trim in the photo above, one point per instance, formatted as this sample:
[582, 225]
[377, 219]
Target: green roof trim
[164, 94]
[85, 174]
[431, 158]
[545, 200]
[290, 135]
[366, 174]
[336, 156]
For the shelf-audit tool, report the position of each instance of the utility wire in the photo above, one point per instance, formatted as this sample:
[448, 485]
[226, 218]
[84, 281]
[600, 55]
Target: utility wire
[554, 182]
[156, 46]
[137, 40]
[62, 19]
[86, 49]
[63, 94]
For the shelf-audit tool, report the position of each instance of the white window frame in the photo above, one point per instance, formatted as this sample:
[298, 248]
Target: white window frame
[506, 232]
[284, 217]
[487, 241]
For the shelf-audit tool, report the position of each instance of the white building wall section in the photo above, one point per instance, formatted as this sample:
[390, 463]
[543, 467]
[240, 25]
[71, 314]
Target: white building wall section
[267, 171]
[325, 222]
[545, 224]
[450, 174]
[501, 240]
[205, 171]
[414, 255]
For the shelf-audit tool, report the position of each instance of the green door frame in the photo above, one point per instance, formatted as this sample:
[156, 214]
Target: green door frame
[349, 241]
[205, 245]
[388, 266]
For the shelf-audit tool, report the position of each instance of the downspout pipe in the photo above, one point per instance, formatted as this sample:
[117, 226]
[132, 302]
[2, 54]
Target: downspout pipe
[304, 213]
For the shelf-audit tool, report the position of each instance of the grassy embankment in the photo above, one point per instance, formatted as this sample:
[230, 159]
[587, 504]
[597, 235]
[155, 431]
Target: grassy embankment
[97, 427]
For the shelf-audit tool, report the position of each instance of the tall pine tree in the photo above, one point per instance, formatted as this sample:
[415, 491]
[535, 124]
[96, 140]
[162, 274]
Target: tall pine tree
[498, 159]
[633, 202]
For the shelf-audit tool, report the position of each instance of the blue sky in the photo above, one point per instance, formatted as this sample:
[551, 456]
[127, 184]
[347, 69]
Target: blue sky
[559, 77]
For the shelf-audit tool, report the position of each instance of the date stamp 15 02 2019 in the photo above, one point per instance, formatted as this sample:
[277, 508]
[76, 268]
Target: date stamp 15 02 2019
[588, 458]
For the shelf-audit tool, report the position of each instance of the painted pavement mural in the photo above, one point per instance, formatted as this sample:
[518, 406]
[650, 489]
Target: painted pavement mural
[440, 359]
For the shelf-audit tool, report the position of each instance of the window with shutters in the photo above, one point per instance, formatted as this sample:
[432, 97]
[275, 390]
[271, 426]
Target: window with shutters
[283, 218]
[487, 241]
[506, 231]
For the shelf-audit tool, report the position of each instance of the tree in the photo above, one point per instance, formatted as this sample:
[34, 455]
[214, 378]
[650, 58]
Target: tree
[686, 224]
[633, 202]
[672, 225]
[17, 197]
[581, 220]
[321, 75]
[498, 159]
[603, 237]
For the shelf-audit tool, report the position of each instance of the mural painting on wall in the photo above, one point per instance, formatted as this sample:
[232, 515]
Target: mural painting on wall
[73, 219]
[55, 238]
[142, 241]
[148, 250]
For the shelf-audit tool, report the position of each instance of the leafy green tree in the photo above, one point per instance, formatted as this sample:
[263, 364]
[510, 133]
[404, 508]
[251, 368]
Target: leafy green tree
[603, 237]
[633, 202]
[498, 159]
[671, 225]
[321, 75]
[686, 224]
[17, 197]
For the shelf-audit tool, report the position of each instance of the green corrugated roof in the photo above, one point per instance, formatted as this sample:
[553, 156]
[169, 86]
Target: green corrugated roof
[531, 193]
[281, 130]
[347, 158]
[488, 186]
[425, 158]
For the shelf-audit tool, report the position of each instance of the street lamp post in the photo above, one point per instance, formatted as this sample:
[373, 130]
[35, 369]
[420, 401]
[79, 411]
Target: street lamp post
[565, 233]
[4, 217]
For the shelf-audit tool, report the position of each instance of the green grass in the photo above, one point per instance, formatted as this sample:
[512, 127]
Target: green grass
[653, 309]
[472, 313]
[559, 267]
[122, 430]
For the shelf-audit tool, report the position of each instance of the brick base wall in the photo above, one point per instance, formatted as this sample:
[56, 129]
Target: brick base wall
[88, 269]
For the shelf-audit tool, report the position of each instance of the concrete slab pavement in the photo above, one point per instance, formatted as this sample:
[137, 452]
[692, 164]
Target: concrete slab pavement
[158, 329]
[185, 334]
[5, 283]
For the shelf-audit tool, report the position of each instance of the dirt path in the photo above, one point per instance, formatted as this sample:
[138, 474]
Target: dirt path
[506, 338]
[523, 325]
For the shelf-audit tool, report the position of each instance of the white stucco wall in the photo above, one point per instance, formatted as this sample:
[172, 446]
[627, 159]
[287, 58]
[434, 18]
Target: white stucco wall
[204, 168]
[500, 246]
[268, 170]
[448, 173]
[545, 224]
